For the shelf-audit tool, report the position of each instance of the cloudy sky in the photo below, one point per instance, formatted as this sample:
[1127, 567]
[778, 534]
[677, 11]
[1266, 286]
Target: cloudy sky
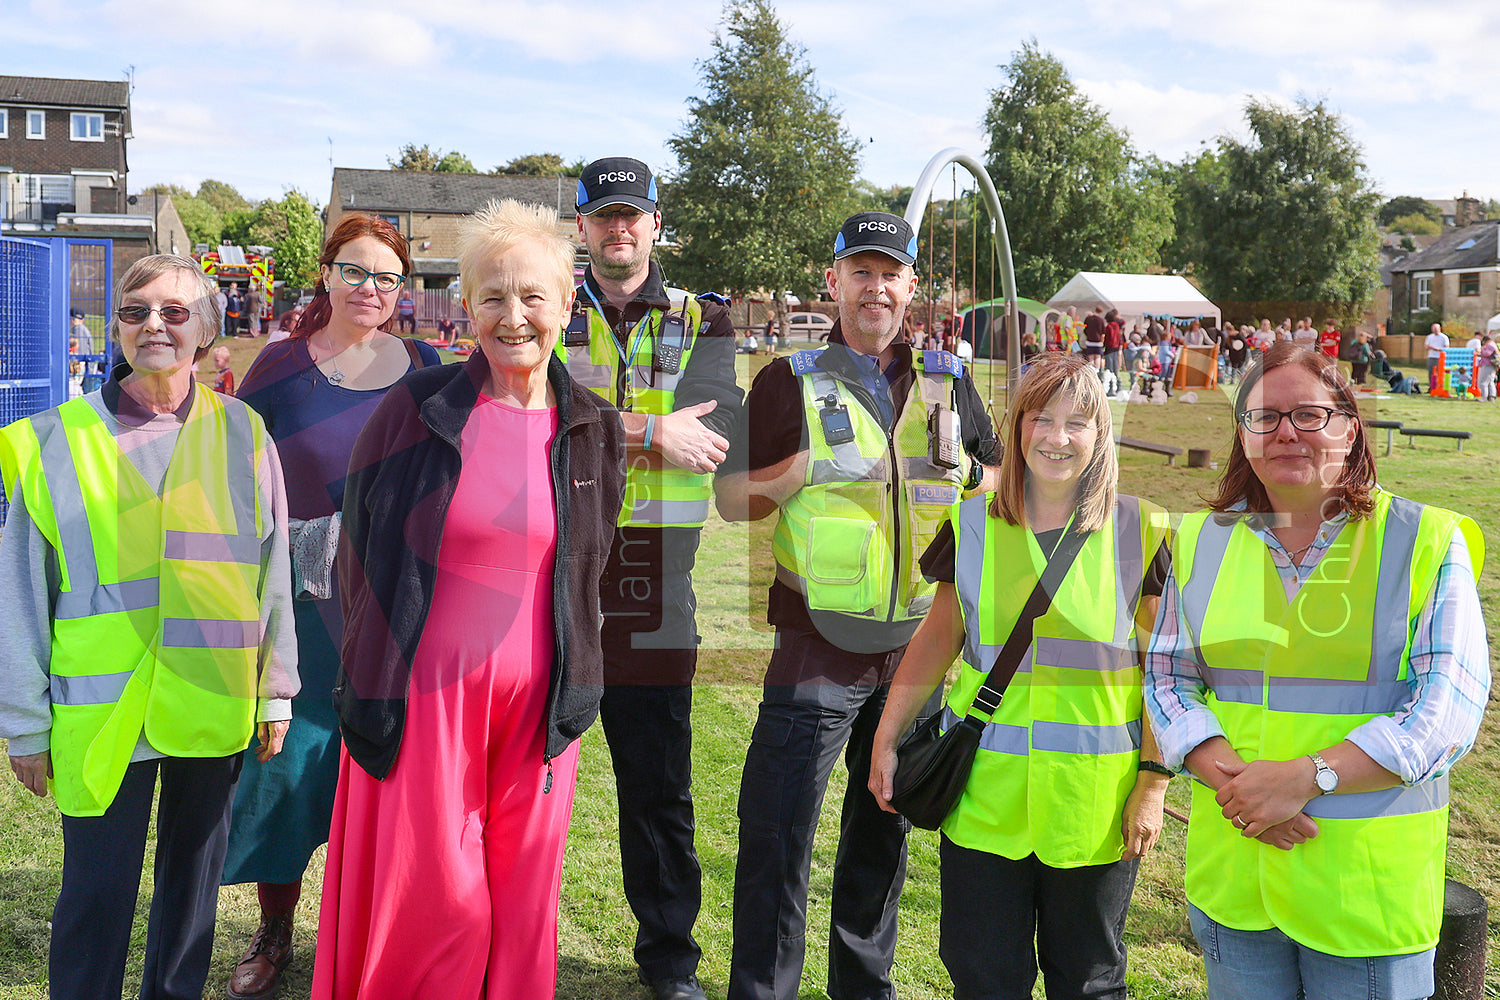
[266, 94]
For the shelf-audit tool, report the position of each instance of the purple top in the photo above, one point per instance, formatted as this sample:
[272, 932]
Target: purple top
[313, 422]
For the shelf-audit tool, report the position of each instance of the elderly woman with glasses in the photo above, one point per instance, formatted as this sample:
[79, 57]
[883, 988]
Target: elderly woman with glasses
[314, 390]
[146, 612]
[479, 512]
[1319, 664]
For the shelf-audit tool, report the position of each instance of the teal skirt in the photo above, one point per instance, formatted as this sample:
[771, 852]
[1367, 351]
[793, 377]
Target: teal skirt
[282, 808]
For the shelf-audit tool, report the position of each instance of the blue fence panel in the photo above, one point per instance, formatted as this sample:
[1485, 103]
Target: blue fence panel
[33, 329]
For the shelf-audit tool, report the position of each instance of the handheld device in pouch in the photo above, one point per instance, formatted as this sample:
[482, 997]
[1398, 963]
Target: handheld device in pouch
[943, 446]
[577, 332]
[668, 359]
[837, 428]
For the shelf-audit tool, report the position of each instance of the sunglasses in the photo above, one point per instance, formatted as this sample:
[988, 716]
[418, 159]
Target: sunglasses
[169, 314]
[354, 275]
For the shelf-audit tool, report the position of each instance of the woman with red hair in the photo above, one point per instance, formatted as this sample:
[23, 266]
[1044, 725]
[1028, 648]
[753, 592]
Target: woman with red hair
[314, 391]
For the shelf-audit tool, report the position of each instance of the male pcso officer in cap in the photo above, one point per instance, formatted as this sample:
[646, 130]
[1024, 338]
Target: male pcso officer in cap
[862, 445]
[668, 365]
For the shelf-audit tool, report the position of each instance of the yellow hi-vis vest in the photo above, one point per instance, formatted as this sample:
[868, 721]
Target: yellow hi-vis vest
[657, 493]
[849, 539]
[1291, 678]
[1058, 757]
[156, 627]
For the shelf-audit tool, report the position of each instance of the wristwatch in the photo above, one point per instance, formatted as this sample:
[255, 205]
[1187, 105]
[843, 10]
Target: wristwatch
[1327, 779]
[975, 477]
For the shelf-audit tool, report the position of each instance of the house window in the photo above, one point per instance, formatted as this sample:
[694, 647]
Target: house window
[36, 124]
[88, 127]
[1468, 284]
[394, 220]
[1424, 292]
[4, 124]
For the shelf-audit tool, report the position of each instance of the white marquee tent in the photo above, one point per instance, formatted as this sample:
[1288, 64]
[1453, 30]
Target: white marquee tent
[1136, 295]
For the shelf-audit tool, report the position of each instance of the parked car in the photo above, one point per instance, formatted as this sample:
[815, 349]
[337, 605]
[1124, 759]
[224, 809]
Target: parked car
[808, 325]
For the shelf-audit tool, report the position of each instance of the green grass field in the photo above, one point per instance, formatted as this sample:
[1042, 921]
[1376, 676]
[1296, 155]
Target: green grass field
[596, 930]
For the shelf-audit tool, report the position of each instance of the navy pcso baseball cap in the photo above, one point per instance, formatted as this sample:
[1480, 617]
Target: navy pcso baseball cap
[616, 180]
[882, 231]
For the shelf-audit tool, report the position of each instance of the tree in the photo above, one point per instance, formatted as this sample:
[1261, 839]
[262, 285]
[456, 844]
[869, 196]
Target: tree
[217, 212]
[1287, 215]
[1075, 195]
[291, 227]
[1416, 223]
[535, 165]
[764, 165]
[456, 163]
[1408, 205]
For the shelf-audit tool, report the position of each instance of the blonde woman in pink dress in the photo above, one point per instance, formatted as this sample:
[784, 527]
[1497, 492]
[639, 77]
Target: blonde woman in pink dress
[478, 513]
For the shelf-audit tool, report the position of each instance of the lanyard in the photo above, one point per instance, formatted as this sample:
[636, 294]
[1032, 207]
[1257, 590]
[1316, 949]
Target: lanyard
[634, 335]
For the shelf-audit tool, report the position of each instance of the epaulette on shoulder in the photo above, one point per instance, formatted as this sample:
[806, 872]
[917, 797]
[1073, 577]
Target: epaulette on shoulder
[942, 362]
[804, 362]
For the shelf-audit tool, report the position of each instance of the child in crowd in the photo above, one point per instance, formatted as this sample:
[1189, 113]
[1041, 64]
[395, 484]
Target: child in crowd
[225, 381]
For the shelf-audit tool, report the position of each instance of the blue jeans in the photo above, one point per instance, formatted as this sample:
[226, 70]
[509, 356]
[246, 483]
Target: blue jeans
[1268, 965]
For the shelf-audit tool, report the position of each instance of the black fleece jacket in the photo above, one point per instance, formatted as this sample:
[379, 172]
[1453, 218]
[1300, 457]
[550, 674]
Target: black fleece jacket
[402, 476]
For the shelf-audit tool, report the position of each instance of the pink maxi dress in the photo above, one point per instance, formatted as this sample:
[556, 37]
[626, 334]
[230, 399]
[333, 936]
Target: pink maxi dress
[442, 881]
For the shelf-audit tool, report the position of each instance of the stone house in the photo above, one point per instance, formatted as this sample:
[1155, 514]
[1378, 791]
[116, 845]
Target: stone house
[1457, 277]
[426, 207]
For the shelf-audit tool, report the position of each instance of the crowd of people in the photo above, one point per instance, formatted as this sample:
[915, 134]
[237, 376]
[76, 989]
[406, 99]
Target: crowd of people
[415, 585]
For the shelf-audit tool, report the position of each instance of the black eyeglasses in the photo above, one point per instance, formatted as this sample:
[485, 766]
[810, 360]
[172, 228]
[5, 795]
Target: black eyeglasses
[169, 314]
[1305, 418]
[353, 274]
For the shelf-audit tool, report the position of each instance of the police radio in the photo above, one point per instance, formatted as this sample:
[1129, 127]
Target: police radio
[669, 343]
[837, 428]
[943, 448]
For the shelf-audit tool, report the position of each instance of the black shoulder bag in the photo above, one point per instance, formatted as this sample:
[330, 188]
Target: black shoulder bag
[932, 767]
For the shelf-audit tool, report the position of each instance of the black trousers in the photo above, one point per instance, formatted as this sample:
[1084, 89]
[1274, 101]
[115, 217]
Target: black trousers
[650, 654]
[993, 908]
[102, 859]
[823, 701]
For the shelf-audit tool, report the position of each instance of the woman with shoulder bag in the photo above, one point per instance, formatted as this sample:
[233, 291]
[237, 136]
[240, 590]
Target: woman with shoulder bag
[1065, 795]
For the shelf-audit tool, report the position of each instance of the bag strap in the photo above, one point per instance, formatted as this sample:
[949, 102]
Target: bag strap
[1008, 660]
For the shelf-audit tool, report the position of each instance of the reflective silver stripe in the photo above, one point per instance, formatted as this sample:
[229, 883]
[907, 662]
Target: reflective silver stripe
[1130, 567]
[207, 546]
[968, 578]
[936, 387]
[1082, 654]
[1059, 737]
[107, 598]
[92, 689]
[848, 466]
[203, 633]
[1393, 588]
[1317, 696]
[1243, 687]
[591, 376]
[1213, 544]
[996, 738]
[647, 377]
[240, 443]
[1398, 801]
[669, 512]
[68, 508]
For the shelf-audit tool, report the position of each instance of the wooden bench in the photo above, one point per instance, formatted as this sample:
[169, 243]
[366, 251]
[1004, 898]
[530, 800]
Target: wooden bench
[1169, 450]
[1415, 432]
[1385, 425]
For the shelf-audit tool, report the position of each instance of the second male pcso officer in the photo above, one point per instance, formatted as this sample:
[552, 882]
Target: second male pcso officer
[862, 445]
[668, 365]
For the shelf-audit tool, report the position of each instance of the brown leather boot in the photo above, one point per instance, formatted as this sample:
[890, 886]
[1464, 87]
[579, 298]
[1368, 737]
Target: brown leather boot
[258, 976]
